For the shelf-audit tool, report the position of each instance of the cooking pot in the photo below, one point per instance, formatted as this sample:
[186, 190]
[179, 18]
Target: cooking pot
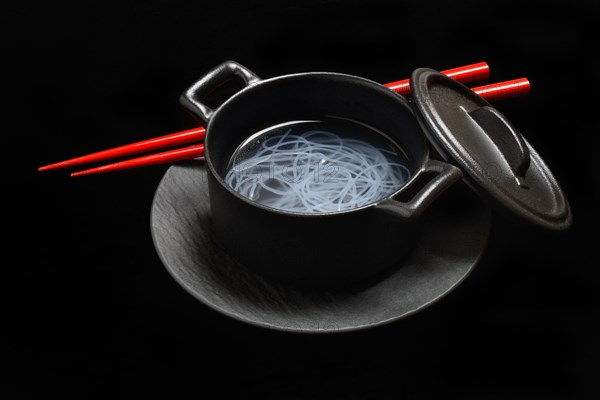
[307, 248]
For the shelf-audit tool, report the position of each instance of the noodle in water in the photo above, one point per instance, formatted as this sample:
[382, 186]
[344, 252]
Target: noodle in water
[315, 171]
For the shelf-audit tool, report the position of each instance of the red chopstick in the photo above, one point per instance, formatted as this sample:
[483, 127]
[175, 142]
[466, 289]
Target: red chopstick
[465, 74]
[504, 90]
[186, 153]
[497, 91]
[194, 135]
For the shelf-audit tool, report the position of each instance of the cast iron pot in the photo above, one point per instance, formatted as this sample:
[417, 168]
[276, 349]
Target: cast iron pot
[314, 249]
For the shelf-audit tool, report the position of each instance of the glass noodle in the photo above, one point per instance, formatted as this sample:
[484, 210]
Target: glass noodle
[316, 170]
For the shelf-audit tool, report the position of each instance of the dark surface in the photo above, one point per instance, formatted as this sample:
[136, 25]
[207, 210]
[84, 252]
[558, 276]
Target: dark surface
[91, 312]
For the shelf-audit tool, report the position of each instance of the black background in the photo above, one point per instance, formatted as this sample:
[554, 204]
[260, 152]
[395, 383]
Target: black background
[91, 312]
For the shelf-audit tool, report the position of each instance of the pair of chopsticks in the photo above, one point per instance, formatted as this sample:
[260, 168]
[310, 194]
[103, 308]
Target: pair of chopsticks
[466, 74]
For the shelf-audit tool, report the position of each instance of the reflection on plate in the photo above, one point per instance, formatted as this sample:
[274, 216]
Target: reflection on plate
[452, 239]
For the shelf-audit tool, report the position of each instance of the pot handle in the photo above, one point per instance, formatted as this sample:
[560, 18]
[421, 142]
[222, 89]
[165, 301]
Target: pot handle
[447, 175]
[191, 98]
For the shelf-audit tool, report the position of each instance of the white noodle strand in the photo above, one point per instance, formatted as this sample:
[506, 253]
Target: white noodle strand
[316, 172]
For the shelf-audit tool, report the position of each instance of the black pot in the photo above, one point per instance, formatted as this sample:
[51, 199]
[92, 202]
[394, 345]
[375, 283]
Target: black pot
[317, 249]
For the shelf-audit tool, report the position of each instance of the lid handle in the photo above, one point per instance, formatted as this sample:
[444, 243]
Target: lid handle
[508, 139]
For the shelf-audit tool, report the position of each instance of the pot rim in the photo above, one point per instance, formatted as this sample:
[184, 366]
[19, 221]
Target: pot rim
[217, 111]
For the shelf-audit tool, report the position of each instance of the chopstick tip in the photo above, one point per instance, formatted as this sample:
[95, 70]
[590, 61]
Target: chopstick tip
[91, 171]
[51, 166]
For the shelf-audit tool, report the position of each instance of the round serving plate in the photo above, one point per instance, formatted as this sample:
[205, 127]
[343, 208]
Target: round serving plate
[455, 236]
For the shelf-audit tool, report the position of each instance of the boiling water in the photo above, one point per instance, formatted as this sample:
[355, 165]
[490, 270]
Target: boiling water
[317, 166]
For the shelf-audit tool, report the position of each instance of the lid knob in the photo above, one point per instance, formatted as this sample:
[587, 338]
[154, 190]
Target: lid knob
[506, 138]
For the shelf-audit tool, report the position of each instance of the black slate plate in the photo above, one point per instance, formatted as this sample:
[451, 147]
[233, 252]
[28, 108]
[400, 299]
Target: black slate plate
[452, 239]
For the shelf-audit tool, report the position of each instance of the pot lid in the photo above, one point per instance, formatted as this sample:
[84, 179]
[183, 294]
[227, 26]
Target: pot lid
[497, 162]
